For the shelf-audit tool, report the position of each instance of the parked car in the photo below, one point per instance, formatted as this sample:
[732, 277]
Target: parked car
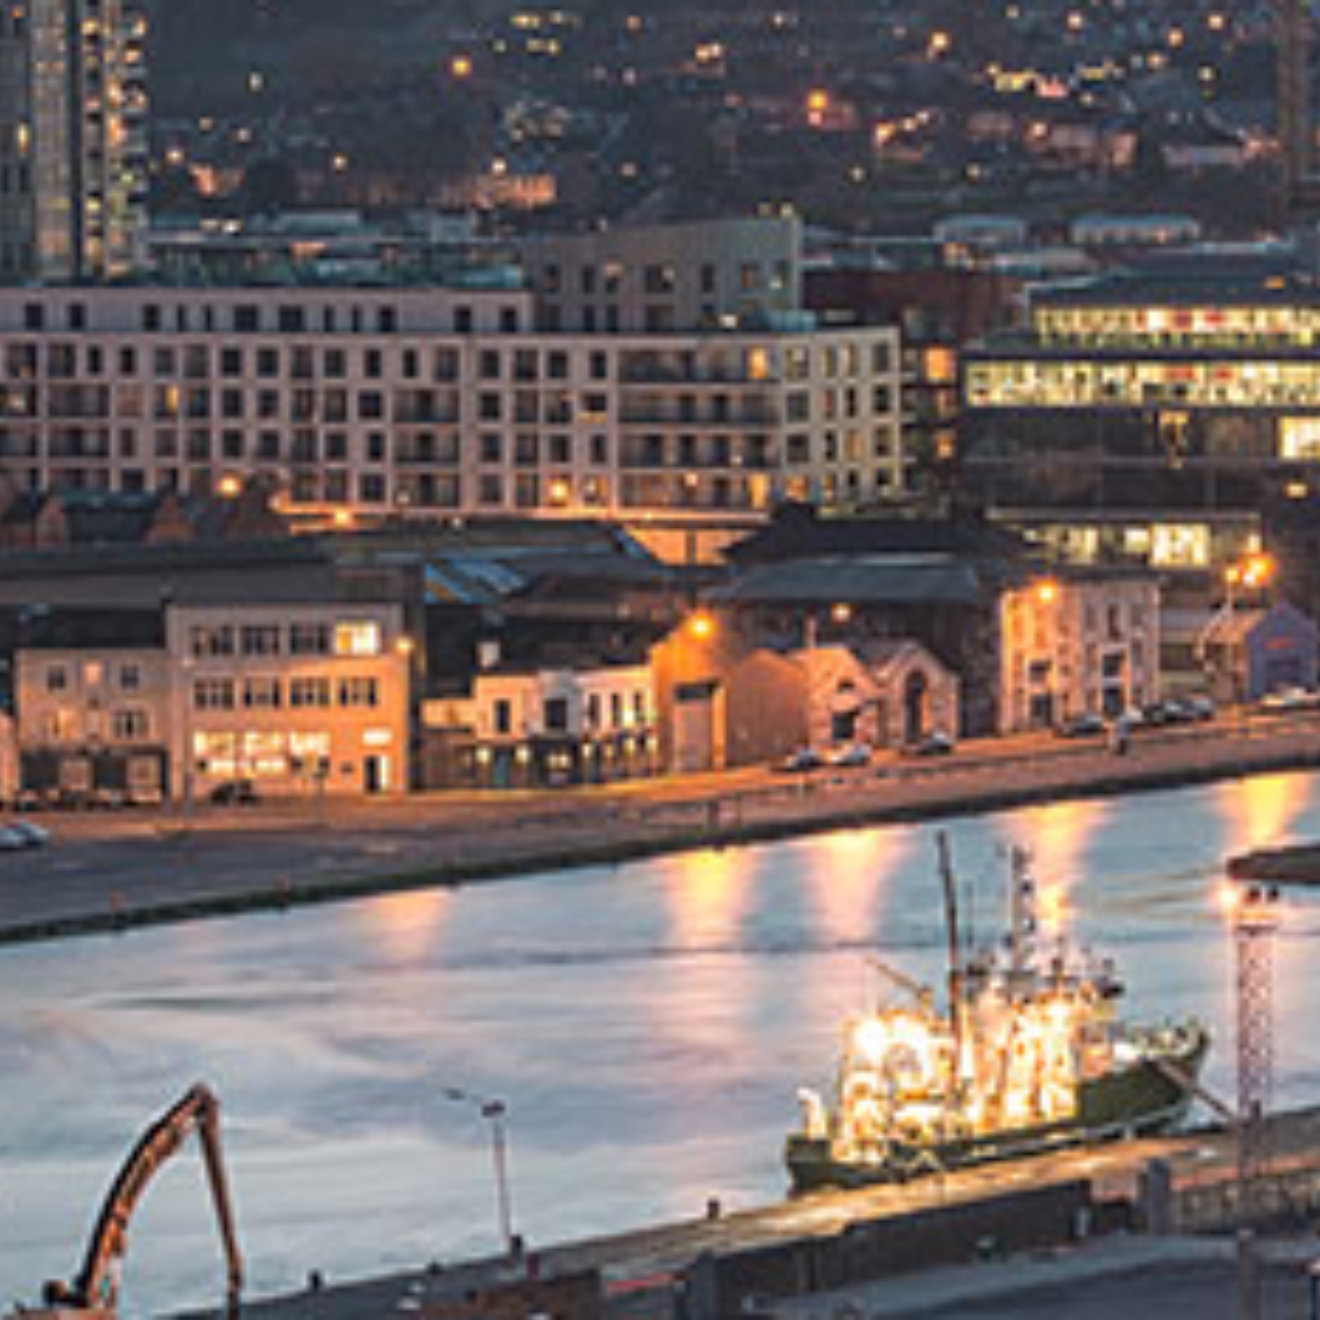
[1290, 698]
[235, 792]
[937, 743]
[801, 762]
[19, 835]
[1081, 726]
[850, 755]
[1201, 707]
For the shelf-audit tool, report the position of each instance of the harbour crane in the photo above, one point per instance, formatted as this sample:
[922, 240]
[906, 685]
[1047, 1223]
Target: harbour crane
[94, 1293]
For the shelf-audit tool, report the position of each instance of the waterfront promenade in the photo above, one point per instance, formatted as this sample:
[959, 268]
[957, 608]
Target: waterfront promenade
[115, 870]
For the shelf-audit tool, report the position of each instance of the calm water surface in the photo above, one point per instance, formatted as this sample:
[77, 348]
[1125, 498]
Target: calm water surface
[647, 1025]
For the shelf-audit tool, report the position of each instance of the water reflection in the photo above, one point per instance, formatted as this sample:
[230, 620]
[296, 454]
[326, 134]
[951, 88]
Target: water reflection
[851, 869]
[1263, 811]
[708, 898]
[1057, 837]
[406, 927]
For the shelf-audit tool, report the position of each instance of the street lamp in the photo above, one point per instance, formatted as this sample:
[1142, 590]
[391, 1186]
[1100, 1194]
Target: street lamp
[494, 1111]
[702, 626]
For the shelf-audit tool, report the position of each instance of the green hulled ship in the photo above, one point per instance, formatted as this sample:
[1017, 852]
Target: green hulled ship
[1028, 1055]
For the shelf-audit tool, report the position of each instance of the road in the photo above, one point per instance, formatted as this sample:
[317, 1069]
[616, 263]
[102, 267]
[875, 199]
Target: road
[116, 868]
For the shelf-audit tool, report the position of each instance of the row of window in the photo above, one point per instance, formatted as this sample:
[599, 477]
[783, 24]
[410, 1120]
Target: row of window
[127, 724]
[70, 360]
[308, 693]
[257, 318]
[95, 673]
[1143, 384]
[623, 713]
[346, 638]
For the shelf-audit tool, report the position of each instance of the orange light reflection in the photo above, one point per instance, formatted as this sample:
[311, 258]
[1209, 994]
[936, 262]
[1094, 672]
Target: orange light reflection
[1057, 836]
[405, 926]
[845, 882]
[1260, 811]
[709, 897]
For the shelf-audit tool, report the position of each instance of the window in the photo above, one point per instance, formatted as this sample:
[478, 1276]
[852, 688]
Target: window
[502, 715]
[358, 692]
[57, 679]
[212, 640]
[213, 694]
[556, 714]
[357, 638]
[262, 693]
[130, 678]
[261, 639]
[309, 692]
[129, 725]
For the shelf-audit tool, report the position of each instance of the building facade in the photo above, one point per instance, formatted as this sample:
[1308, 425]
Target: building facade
[94, 722]
[652, 279]
[73, 153]
[1078, 644]
[1146, 420]
[297, 699]
[547, 728]
[437, 403]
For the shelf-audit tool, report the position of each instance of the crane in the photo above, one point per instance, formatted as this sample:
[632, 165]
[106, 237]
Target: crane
[94, 1294]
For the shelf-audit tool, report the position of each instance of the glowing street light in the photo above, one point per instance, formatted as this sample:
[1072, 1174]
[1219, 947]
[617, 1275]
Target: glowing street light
[495, 1112]
[702, 626]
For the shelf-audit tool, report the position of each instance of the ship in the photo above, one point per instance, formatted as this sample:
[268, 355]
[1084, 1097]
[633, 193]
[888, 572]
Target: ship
[1027, 1054]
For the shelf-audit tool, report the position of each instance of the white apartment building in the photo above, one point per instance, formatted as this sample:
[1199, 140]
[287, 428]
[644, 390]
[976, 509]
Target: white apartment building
[437, 402]
[297, 699]
[1080, 644]
[554, 726]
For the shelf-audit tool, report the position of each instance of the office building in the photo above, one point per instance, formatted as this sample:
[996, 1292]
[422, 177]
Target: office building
[1148, 420]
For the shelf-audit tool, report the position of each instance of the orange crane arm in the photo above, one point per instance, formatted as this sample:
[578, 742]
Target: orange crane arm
[96, 1287]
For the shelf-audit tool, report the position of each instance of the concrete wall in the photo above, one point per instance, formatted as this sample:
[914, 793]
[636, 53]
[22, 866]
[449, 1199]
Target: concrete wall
[716, 1288]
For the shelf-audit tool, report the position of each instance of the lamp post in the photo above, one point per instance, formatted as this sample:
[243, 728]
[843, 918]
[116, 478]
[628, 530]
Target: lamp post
[495, 1112]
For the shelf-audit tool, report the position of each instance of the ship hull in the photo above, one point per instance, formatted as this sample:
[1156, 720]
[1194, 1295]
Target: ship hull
[1139, 1100]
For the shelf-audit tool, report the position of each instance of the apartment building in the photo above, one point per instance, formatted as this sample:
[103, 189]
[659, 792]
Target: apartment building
[706, 274]
[437, 402]
[92, 697]
[73, 151]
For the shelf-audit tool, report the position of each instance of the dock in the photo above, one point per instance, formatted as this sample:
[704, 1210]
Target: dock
[695, 1268]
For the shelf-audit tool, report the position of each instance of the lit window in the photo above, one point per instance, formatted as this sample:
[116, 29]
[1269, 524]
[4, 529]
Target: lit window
[357, 639]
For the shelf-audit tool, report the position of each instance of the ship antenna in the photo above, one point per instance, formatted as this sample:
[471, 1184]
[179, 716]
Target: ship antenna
[1022, 905]
[950, 885]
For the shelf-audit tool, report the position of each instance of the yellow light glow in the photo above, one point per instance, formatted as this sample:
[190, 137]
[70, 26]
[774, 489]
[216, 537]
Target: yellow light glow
[1047, 592]
[461, 66]
[701, 626]
[229, 486]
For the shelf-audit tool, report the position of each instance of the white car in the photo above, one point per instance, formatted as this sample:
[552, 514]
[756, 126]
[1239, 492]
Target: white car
[853, 754]
[1292, 698]
[18, 834]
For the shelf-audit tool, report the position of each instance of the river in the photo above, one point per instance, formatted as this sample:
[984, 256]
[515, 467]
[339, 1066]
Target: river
[647, 1026]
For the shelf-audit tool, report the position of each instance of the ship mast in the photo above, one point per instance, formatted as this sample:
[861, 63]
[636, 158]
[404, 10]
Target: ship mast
[1022, 917]
[955, 952]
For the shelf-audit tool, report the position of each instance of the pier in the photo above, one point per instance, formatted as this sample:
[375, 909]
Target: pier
[750, 1261]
